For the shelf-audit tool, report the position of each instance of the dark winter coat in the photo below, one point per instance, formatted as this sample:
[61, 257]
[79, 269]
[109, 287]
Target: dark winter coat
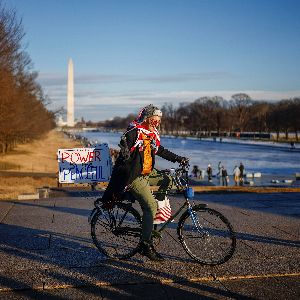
[241, 167]
[129, 166]
[224, 173]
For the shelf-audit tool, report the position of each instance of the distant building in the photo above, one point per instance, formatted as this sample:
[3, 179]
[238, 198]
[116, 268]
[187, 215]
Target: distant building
[60, 121]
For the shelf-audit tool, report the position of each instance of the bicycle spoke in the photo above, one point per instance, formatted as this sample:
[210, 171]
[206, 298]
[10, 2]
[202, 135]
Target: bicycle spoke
[207, 236]
[122, 219]
[117, 233]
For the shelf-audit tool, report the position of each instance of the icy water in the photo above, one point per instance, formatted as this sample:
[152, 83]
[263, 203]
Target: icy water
[272, 160]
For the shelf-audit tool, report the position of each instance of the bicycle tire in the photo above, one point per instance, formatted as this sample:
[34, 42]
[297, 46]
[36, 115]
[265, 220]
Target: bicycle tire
[212, 241]
[117, 232]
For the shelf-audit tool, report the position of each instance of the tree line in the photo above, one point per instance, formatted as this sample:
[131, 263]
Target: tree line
[208, 116]
[240, 114]
[23, 112]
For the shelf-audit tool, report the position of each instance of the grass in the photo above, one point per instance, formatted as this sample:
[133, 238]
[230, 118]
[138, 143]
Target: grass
[12, 186]
[8, 166]
[38, 156]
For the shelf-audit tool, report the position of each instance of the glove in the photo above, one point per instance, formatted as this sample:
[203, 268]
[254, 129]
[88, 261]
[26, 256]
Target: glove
[182, 160]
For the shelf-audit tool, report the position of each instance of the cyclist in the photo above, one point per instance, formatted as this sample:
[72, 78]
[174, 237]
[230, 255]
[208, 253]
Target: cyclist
[134, 170]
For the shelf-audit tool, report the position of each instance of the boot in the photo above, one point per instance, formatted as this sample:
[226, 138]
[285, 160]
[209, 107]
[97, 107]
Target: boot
[148, 250]
[157, 254]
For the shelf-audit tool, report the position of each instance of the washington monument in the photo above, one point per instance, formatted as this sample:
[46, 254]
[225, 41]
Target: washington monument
[70, 104]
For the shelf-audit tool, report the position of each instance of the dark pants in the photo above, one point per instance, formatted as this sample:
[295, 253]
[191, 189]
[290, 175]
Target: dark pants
[224, 180]
[140, 188]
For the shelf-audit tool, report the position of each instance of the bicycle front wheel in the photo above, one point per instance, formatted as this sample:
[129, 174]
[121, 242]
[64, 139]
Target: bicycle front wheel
[117, 232]
[206, 235]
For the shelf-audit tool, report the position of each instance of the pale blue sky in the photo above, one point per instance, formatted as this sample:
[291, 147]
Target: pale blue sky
[128, 53]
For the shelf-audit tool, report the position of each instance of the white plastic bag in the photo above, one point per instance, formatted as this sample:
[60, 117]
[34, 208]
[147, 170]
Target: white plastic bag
[164, 212]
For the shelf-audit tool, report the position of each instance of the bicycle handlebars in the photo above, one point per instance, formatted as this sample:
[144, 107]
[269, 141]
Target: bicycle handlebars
[185, 164]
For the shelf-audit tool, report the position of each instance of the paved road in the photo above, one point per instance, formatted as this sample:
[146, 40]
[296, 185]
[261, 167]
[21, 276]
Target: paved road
[46, 253]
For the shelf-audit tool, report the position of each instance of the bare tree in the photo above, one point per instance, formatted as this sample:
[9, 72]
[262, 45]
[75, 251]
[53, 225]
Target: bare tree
[274, 119]
[240, 106]
[294, 115]
[23, 113]
[290, 110]
[207, 114]
[169, 119]
[258, 120]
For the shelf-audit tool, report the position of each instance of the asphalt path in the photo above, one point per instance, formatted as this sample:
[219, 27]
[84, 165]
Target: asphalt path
[46, 252]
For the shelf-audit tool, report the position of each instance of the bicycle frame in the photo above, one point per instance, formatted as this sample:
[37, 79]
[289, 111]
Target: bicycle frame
[182, 184]
[194, 226]
[181, 188]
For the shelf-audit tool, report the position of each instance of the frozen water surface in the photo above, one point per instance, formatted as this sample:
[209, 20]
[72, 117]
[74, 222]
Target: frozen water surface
[267, 158]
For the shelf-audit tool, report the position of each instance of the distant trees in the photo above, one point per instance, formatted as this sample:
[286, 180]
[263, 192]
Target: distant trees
[170, 125]
[23, 113]
[118, 122]
[240, 107]
[294, 113]
[240, 114]
[208, 115]
[258, 116]
[284, 117]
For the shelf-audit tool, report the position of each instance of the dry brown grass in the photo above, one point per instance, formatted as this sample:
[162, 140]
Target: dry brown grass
[11, 187]
[38, 156]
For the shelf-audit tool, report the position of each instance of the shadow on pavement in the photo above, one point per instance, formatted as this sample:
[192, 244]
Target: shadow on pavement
[56, 260]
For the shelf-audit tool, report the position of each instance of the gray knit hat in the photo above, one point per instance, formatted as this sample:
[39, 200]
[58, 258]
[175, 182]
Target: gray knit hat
[147, 112]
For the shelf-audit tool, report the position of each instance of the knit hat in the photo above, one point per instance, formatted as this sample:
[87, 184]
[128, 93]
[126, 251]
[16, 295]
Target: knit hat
[147, 112]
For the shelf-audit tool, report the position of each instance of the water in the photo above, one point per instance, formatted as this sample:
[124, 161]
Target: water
[264, 158]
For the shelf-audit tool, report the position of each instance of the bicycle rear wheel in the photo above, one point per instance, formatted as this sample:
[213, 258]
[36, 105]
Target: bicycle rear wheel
[206, 235]
[117, 232]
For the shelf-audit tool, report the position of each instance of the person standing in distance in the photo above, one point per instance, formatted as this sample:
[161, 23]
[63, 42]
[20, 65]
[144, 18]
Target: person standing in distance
[242, 169]
[236, 174]
[224, 176]
[209, 172]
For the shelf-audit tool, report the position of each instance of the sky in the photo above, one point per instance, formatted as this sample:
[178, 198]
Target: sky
[130, 53]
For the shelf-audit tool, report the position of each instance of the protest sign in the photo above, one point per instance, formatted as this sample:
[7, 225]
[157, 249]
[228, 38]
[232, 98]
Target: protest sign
[84, 165]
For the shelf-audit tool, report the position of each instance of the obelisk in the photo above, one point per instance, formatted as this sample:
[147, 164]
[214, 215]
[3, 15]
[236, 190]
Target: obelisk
[70, 104]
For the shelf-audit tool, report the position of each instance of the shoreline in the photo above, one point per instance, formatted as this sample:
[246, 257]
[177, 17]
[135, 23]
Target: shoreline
[203, 138]
[34, 165]
[249, 142]
[283, 145]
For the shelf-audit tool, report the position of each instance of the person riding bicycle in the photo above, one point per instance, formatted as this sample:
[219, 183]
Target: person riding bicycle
[134, 170]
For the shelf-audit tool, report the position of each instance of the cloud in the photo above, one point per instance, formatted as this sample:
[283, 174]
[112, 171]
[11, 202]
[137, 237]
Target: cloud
[97, 106]
[184, 77]
[99, 102]
[55, 79]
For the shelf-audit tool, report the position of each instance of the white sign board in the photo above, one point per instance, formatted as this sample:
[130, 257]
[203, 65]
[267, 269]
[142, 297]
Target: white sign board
[84, 165]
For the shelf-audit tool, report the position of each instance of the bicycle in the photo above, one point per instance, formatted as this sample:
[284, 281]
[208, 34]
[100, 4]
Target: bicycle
[205, 234]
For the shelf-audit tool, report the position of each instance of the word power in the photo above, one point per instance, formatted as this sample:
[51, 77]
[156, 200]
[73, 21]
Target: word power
[84, 165]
